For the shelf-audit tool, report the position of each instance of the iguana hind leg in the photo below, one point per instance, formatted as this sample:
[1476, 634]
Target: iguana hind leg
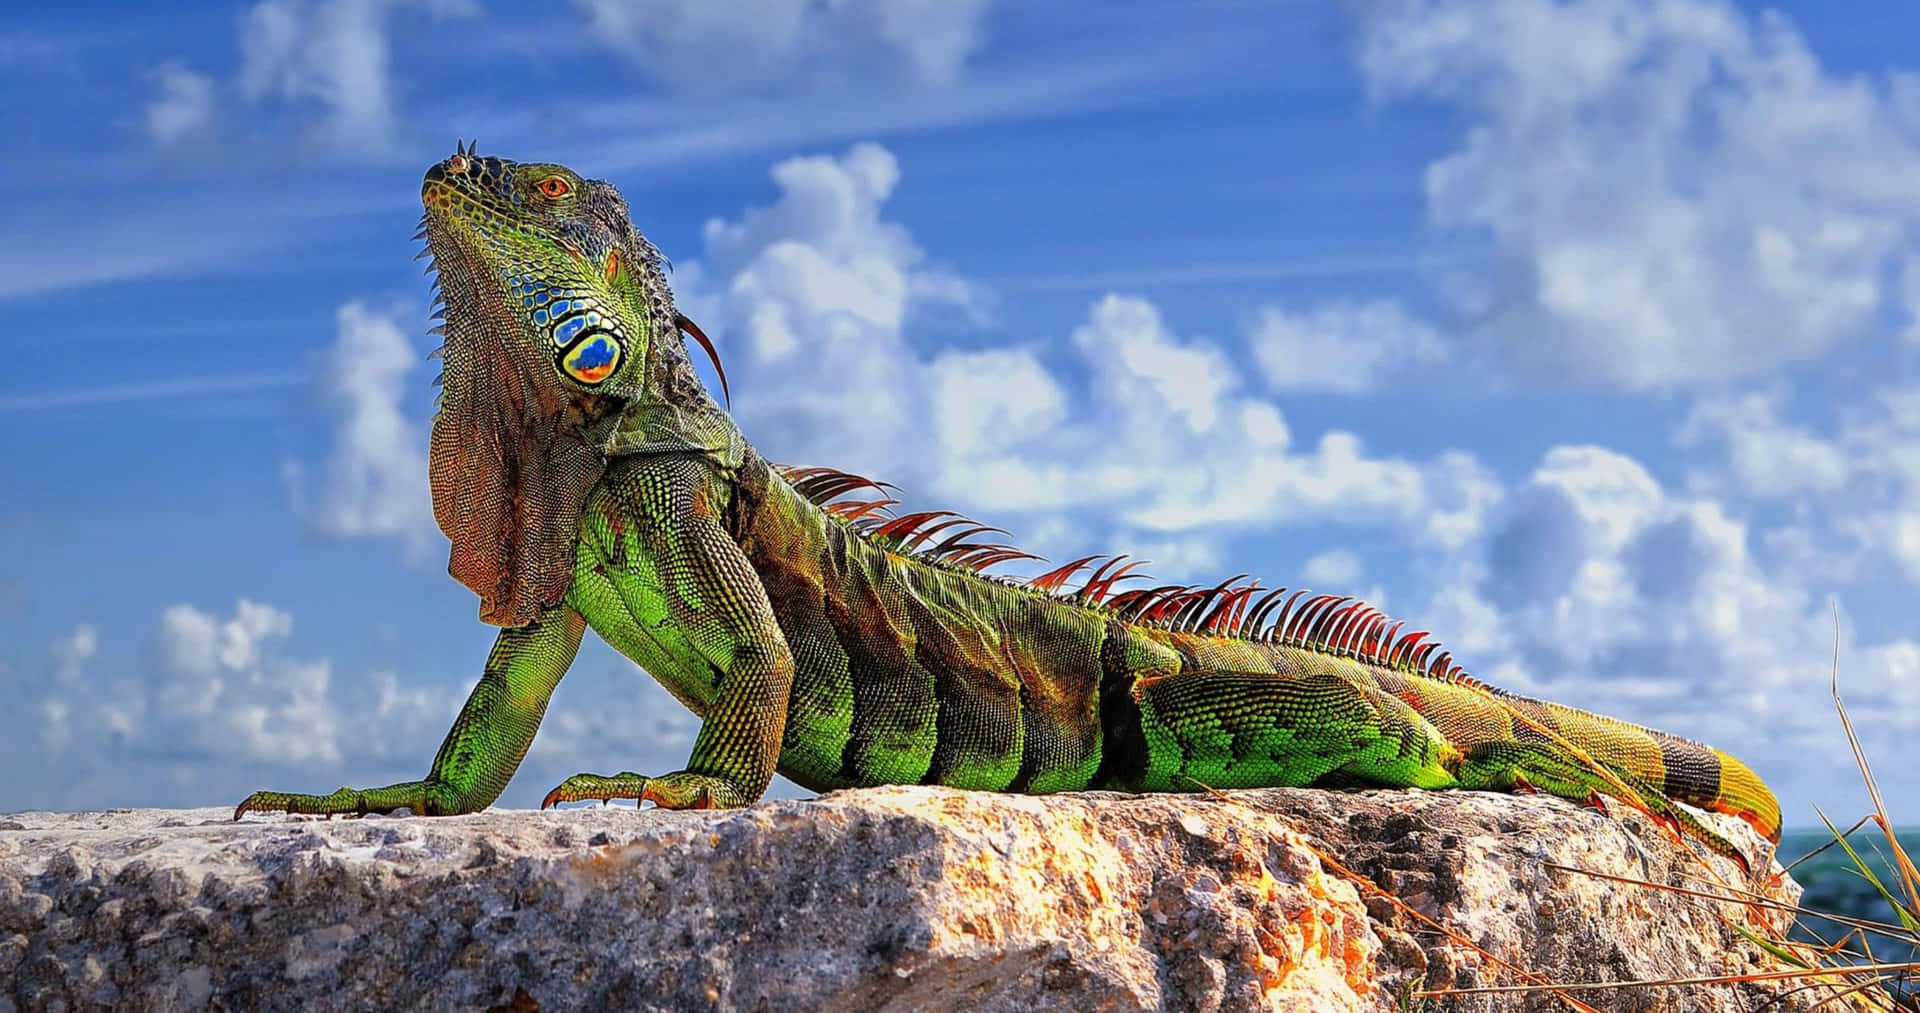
[1222, 729]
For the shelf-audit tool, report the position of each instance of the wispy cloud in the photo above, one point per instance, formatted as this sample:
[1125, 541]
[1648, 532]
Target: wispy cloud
[153, 390]
[184, 105]
[664, 132]
[56, 244]
[751, 45]
[1223, 273]
[335, 53]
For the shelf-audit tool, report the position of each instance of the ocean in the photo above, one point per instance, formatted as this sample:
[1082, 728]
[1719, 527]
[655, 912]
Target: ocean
[1834, 885]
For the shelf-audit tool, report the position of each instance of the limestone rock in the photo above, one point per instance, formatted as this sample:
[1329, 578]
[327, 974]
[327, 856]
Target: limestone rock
[889, 899]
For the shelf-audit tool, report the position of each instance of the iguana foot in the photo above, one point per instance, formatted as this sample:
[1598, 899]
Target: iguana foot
[581, 787]
[422, 798]
[679, 790]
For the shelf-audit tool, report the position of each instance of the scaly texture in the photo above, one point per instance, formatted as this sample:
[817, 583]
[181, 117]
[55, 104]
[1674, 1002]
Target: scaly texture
[586, 478]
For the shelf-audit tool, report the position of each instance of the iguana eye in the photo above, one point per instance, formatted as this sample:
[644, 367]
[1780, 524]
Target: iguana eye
[593, 359]
[555, 186]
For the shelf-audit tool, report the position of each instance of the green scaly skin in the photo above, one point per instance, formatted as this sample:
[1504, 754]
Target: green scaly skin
[586, 478]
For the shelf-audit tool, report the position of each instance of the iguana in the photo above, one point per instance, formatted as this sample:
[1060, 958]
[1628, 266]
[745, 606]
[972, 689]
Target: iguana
[587, 479]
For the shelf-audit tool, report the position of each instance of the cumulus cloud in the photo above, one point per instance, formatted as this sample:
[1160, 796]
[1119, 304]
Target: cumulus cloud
[71, 654]
[70, 657]
[1671, 191]
[223, 687]
[820, 290]
[220, 703]
[1910, 297]
[1765, 455]
[693, 45]
[374, 481]
[214, 690]
[214, 702]
[1852, 480]
[184, 105]
[334, 53]
[1343, 347]
[1163, 442]
[1334, 569]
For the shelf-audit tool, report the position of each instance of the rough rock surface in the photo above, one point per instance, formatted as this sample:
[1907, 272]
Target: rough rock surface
[892, 899]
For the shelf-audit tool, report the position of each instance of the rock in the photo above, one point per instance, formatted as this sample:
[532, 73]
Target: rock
[891, 898]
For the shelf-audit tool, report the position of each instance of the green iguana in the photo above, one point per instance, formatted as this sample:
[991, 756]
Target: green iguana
[586, 478]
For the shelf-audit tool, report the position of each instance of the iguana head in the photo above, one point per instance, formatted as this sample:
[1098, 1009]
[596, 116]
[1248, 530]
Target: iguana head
[558, 324]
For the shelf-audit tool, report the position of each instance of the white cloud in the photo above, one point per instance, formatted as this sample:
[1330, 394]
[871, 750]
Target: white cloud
[981, 398]
[216, 691]
[70, 657]
[1126, 343]
[1672, 192]
[374, 481]
[1853, 483]
[1766, 456]
[821, 288]
[1896, 666]
[1343, 347]
[1910, 298]
[184, 106]
[1333, 569]
[194, 643]
[223, 703]
[1163, 443]
[335, 53]
[754, 45]
[72, 653]
[222, 685]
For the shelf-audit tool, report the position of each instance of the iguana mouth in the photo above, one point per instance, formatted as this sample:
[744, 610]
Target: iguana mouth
[510, 463]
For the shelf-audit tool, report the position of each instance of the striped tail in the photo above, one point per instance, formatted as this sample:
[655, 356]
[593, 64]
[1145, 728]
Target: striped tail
[1742, 793]
[1678, 768]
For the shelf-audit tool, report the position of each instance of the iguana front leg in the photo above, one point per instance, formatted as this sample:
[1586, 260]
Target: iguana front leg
[671, 512]
[487, 740]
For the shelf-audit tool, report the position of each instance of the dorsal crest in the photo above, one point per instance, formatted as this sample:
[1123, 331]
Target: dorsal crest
[1237, 607]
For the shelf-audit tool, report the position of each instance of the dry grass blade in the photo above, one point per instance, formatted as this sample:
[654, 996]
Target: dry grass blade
[1857, 824]
[1718, 979]
[1909, 877]
[1734, 895]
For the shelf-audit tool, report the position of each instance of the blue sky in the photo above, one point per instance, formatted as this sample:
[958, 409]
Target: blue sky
[1581, 334]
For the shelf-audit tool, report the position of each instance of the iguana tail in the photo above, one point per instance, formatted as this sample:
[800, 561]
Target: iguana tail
[1678, 768]
[1743, 794]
